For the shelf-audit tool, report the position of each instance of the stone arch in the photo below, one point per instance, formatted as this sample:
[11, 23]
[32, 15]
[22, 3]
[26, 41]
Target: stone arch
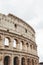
[31, 46]
[27, 44]
[6, 41]
[15, 41]
[23, 61]
[32, 62]
[21, 45]
[22, 42]
[36, 62]
[6, 60]
[16, 61]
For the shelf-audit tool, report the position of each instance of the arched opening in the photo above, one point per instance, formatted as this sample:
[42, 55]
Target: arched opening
[21, 45]
[7, 60]
[35, 62]
[27, 45]
[28, 61]
[16, 61]
[6, 41]
[15, 43]
[31, 46]
[32, 62]
[23, 61]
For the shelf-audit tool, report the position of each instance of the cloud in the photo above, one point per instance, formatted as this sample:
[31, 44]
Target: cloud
[25, 9]
[21, 8]
[39, 41]
[40, 25]
[29, 10]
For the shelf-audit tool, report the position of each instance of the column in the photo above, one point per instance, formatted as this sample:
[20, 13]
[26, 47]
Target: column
[18, 46]
[25, 61]
[1, 59]
[1, 41]
[12, 60]
[11, 43]
[20, 60]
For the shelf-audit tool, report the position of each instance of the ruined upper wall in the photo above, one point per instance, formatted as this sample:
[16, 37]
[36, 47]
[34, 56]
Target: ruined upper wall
[15, 25]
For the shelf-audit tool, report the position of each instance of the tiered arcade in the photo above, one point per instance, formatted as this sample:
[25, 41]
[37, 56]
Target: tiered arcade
[17, 42]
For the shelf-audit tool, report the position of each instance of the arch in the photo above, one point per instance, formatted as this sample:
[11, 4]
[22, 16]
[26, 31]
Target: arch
[23, 61]
[16, 61]
[15, 43]
[28, 61]
[32, 62]
[6, 60]
[31, 46]
[36, 62]
[6, 41]
[27, 44]
[21, 45]
[22, 42]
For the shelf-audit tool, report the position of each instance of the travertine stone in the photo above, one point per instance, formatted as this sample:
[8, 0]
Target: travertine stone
[13, 28]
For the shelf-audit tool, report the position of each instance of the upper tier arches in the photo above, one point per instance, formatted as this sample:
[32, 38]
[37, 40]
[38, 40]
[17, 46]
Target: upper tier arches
[16, 25]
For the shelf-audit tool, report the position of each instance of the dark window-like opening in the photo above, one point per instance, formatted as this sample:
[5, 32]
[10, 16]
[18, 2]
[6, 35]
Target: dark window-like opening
[16, 61]
[27, 44]
[32, 62]
[7, 60]
[6, 41]
[23, 61]
[26, 30]
[7, 30]
[15, 43]
[15, 25]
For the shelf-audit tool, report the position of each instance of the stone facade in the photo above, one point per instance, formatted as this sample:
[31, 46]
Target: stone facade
[17, 42]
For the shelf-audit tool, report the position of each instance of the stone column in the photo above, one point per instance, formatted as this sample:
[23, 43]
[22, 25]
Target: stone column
[12, 60]
[11, 43]
[1, 42]
[20, 60]
[25, 61]
[1, 59]
[18, 46]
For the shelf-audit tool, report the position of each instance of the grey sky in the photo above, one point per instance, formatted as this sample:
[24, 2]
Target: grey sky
[32, 12]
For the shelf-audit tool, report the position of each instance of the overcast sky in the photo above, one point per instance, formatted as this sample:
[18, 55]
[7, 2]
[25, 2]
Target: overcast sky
[30, 11]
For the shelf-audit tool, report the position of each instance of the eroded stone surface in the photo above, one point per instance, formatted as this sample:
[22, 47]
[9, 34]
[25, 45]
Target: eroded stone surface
[17, 42]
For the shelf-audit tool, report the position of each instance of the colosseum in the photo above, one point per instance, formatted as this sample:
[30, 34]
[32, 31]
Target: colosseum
[17, 42]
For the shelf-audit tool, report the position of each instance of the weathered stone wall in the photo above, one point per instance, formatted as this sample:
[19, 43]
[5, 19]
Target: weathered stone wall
[12, 28]
[17, 26]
